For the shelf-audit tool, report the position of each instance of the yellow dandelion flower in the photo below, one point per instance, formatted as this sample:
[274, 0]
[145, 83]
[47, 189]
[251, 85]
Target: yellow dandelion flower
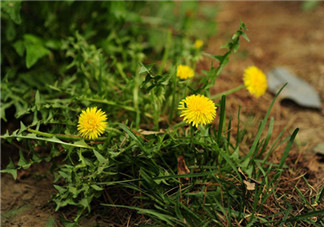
[92, 123]
[199, 43]
[255, 81]
[184, 72]
[197, 110]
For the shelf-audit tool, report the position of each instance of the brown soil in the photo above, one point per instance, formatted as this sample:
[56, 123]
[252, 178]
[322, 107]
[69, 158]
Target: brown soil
[25, 202]
[281, 35]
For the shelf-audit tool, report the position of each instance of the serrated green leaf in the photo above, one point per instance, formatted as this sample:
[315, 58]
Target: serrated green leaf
[144, 69]
[235, 155]
[64, 175]
[219, 57]
[13, 172]
[236, 47]
[244, 35]
[85, 203]
[243, 26]
[35, 49]
[60, 189]
[22, 161]
[73, 190]
[3, 108]
[81, 143]
[22, 127]
[100, 158]
[36, 158]
[52, 139]
[96, 187]
[226, 46]
[19, 47]
[10, 169]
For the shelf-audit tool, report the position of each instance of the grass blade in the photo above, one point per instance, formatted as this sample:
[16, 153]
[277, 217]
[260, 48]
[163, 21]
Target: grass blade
[262, 126]
[221, 119]
[164, 217]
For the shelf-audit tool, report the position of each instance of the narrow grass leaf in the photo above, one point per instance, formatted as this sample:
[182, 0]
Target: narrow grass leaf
[321, 195]
[164, 217]
[306, 216]
[133, 136]
[287, 148]
[262, 126]
[221, 119]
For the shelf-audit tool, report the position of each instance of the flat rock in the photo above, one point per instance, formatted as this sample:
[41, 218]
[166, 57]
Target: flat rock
[296, 90]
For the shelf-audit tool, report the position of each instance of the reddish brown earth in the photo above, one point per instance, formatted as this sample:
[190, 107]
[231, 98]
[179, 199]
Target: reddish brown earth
[281, 34]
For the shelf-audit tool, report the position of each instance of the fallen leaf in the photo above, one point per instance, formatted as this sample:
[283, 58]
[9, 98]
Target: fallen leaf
[241, 172]
[182, 168]
[249, 186]
[313, 165]
[146, 133]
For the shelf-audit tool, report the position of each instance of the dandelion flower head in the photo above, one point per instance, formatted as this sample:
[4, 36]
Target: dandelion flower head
[198, 43]
[197, 110]
[92, 123]
[255, 81]
[184, 72]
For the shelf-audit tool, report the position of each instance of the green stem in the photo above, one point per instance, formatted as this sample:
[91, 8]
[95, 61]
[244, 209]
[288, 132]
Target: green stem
[119, 67]
[59, 122]
[129, 108]
[228, 92]
[100, 73]
[156, 115]
[185, 91]
[174, 82]
[135, 100]
[191, 134]
[166, 52]
[68, 137]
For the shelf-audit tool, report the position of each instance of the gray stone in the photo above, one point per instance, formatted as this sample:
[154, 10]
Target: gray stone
[296, 90]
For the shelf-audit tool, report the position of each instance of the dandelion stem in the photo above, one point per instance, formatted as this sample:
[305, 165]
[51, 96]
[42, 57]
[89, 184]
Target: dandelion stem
[228, 92]
[100, 73]
[166, 52]
[192, 133]
[174, 82]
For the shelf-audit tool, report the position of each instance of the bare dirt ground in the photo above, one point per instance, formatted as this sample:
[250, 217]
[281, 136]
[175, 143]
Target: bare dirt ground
[281, 34]
[25, 202]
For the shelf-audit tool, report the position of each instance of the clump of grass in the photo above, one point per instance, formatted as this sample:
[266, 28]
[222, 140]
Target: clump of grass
[174, 171]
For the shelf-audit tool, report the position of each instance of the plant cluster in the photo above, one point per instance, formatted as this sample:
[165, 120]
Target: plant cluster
[115, 99]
